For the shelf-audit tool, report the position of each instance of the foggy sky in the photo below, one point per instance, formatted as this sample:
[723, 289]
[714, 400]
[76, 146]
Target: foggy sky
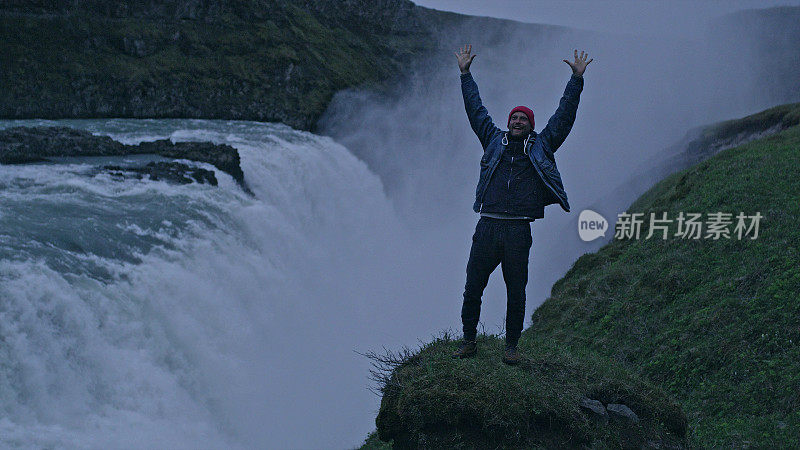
[655, 18]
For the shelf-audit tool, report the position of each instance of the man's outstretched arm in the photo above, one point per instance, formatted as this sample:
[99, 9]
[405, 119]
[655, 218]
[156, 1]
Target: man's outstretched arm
[478, 116]
[560, 124]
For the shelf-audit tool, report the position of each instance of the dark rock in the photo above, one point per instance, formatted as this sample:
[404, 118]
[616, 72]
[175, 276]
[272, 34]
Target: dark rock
[662, 444]
[597, 412]
[222, 156]
[20, 145]
[164, 9]
[25, 144]
[173, 172]
[622, 414]
[135, 46]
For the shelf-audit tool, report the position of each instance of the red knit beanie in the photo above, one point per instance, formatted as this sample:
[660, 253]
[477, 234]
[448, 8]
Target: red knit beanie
[526, 111]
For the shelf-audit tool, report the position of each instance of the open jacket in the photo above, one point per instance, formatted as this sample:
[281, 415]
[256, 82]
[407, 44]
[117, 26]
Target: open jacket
[540, 147]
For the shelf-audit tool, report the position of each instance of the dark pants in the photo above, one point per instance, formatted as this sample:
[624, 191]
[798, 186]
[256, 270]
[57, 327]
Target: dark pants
[497, 241]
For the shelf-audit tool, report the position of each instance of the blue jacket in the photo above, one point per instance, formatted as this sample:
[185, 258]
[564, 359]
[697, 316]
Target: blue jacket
[539, 147]
[515, 188]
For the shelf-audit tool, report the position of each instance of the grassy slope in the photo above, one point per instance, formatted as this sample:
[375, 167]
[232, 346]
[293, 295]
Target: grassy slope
[714, 322]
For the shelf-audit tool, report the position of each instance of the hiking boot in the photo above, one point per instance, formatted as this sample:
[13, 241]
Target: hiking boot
[511, 356]
[466, 349]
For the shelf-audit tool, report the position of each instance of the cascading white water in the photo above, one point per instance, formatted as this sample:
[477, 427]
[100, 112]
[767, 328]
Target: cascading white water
[138, 313]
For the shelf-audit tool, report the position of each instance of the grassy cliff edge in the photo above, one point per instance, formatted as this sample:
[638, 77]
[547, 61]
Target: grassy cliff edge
[556, 398]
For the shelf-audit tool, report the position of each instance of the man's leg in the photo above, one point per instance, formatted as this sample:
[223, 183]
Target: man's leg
[484, 256]
[517, 242]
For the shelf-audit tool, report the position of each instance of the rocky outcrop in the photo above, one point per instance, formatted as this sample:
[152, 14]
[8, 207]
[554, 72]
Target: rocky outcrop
[173, 172]
[595, 410]
[622, 414]
[223, 157]
[555, 398]
[36, 144]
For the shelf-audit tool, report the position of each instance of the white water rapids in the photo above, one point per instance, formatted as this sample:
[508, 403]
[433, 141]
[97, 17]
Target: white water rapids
[143, 314]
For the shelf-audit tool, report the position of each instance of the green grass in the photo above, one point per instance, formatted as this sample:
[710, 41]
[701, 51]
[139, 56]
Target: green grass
[714, 322]
[435, 401]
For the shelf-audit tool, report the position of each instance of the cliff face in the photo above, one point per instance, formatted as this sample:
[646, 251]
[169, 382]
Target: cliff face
[383, 15]
[267, 60]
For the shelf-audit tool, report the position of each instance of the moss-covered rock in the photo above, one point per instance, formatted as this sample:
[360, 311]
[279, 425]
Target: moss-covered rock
[431, 400]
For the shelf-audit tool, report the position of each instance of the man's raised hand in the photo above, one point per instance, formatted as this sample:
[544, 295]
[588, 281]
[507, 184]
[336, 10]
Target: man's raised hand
[579, 66]
[464, 58]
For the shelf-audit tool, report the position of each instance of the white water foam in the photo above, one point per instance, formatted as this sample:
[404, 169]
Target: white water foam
[142, 314]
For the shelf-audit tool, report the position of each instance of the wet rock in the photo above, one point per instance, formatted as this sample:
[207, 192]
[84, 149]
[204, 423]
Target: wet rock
[222, 156]
[622, 414]
[20, 145]
[597, 412]
[34, 144]
[171, 172]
